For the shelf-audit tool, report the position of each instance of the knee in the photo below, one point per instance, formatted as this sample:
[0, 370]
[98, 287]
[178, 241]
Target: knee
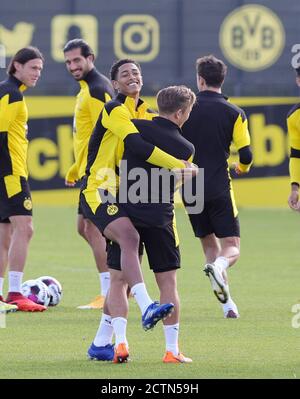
[26, 231]
[232, 247]
[5, 243]
[130, 239]
[81, 230]
[29, 231]
[234, 243]
[88, 230]
[92, 233]
[118, 283]
[237, 251]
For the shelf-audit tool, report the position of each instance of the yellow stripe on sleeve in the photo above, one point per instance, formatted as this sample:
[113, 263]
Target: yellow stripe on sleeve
[8, 112]
[164, 160]
[244, 168]
[96, 107]
[294, 167]
[118, 122]
[293, 124]
[12, 185]
[241, 136]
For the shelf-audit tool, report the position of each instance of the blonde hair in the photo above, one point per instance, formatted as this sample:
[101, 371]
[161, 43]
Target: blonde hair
[173, 98]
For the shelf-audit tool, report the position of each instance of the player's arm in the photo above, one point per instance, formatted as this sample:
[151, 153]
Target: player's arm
[241, 140]
[116, 118]
[72, 175]
[293, 123]
[96, 103]
[9, 107]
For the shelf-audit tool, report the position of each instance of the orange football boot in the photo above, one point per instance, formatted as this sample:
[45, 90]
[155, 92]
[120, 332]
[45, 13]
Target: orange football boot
[24, 304]
[180, 358]
[121, 354]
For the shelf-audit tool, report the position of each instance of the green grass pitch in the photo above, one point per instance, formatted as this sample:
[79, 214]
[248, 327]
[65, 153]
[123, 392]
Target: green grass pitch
[261, 344]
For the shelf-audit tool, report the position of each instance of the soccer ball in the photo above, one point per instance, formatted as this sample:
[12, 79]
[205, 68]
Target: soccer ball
[54, 288]
[36, 291]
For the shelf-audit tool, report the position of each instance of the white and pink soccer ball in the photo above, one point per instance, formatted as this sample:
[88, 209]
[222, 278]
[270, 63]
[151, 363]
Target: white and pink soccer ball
[54, 288]
[36, 291]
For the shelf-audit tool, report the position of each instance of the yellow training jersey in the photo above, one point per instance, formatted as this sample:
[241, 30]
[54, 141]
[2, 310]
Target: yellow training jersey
[293, 124]
[95, 91]
[106, 147]
[13, 128]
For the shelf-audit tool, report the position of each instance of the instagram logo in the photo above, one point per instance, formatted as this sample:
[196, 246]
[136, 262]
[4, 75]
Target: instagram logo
[136, 36]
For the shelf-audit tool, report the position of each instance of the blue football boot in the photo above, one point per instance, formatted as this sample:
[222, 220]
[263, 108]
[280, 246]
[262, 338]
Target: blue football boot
[104, 353]
[154, 313]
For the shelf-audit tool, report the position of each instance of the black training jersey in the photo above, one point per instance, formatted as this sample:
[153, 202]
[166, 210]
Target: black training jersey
[13, 128]
[166, 135]
[213, 125]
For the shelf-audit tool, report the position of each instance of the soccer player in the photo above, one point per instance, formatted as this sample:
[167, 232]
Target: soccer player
[154, 218]
[293, 124]
[95, 91]
[16, 227]
[98, 193]
[213, 125]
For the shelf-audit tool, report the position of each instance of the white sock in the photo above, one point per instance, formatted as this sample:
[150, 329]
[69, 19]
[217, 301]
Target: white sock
[229, 305]
[15, 281]
[105, 331]
[104, 283]
[1, 285]
[139, 291]
[171, 337]
[221, 262]
[119, 325]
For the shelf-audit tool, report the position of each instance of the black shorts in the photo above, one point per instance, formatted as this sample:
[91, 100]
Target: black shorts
[15, 197]
[79, 210]
[80, 182]
[109, 243]
[101, 214]
[162, 248]
[219, 217]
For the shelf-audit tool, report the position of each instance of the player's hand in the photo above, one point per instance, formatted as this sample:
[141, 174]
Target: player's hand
[190, 168]
[237, 169]
[187, 173]
[71, 176]
[293, 201]
[70, 183]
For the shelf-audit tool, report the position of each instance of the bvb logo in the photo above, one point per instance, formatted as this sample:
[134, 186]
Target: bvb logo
[27, 204]
[112, 210]
[252, 37]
